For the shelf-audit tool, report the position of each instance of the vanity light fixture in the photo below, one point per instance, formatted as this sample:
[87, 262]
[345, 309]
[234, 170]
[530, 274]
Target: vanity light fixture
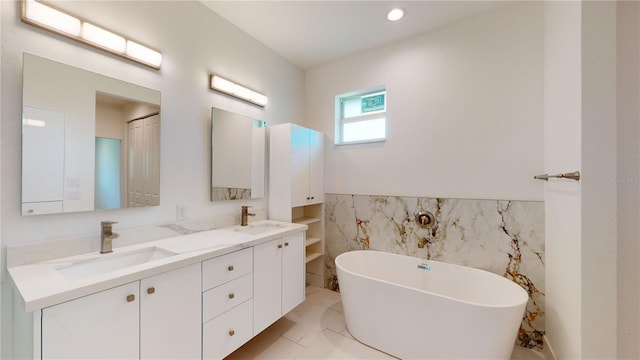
[45, 17]
[396, 14]
[230, 88]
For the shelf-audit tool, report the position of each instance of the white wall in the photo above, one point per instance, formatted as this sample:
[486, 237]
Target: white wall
[202, 43]
[599, 205]
[464, 111]
[581, 217]
[562, 132]
[2, 262]
[109, 121]
[628, 179]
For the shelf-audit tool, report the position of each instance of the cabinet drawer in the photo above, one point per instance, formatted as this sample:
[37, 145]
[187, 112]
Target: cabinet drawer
[39, 208]
[226, 296]
[224, 334]
[225, 268]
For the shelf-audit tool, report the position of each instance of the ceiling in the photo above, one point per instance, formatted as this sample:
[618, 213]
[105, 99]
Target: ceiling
[311, 33]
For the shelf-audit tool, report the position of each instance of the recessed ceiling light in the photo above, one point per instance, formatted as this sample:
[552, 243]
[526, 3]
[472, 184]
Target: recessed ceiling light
[396, 14]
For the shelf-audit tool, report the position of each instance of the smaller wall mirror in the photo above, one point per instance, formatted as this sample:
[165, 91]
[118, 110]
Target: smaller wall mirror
[238, 147]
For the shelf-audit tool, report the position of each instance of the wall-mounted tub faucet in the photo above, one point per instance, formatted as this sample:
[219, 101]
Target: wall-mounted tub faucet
[107, 236]
[244, 218]
[426, 220]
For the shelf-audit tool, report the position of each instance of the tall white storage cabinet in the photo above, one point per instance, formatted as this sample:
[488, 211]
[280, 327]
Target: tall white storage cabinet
[42, 161]
[296, 188]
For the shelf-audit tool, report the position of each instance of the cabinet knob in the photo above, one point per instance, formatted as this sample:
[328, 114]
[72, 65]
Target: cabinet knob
[232, 295]
[312, 198]
[131, 298]
[30, 211]
[151, 290]
[230, 268]
[286, 244]
[279, 246]
[231, 332]
[308, 198]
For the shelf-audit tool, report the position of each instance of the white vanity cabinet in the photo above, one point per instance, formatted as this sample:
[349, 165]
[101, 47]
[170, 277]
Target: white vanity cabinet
[278, 279]
[170, 315]
[227, 303]
[102, 325]
[203, 305]
[156, 317]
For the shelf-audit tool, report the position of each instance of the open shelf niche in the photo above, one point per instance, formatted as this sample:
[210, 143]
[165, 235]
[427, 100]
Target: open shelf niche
[313, 217]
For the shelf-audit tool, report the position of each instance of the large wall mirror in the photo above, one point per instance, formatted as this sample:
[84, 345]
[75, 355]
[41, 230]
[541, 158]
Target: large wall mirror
[237, 156]
[89, 142]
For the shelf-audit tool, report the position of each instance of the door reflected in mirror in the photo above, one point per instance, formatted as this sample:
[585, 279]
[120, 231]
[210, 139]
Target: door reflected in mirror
[127, 153]
[89, 142]
[238, 147]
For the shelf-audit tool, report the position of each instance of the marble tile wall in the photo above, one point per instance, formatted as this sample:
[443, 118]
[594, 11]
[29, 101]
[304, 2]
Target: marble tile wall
[225, 193]
[504, 237]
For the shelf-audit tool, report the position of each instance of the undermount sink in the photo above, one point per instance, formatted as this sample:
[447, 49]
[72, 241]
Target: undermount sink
[260, 228]
[111, 262]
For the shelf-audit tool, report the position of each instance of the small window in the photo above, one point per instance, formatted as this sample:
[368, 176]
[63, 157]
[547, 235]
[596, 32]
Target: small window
[361, 117]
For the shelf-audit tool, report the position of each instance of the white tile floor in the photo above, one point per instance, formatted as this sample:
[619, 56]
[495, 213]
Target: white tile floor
[316, 330]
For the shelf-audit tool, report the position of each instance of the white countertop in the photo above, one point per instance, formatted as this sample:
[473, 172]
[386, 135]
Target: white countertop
[41, 284]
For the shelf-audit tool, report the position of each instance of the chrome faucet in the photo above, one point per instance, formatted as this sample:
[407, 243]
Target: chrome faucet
[107, 236]
[244, 219]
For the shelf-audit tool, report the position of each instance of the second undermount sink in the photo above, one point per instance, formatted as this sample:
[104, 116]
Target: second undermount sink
[111, 262]
[260, 228]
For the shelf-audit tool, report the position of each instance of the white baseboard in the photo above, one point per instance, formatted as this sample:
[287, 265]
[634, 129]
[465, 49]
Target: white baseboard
[547, 349]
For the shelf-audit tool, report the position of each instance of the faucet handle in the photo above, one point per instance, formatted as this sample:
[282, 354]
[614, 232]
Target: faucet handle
[107, 224]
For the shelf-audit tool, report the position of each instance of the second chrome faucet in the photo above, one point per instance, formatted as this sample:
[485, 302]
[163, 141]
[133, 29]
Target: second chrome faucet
[244, 217]
[106, 237]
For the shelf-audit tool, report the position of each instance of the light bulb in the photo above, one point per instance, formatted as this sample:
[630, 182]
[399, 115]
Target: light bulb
[395, 14]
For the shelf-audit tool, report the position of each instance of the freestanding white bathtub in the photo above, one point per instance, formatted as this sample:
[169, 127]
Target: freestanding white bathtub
[422, 309]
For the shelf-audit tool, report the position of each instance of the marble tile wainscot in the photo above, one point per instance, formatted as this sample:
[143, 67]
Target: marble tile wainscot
[504, 237]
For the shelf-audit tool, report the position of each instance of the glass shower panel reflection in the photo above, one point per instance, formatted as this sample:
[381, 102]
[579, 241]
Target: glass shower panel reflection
[108, 188]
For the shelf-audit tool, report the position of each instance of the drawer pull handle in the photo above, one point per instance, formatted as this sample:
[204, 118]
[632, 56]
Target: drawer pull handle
[279, 246]
[286, 244]
[151, 290]
[230, 268]
[232, 295]
[231, 332]
[131, 298]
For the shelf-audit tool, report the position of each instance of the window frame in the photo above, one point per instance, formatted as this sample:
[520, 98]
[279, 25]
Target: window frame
[340, 120]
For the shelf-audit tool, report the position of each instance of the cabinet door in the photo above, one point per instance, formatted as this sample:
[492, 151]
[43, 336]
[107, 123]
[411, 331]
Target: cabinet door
[151, 160]
[316, 167]
[299, 166]
[42, 155]
[293, 272]
[267, 283]
[135, 184]
[170, 322]
[102, 325]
